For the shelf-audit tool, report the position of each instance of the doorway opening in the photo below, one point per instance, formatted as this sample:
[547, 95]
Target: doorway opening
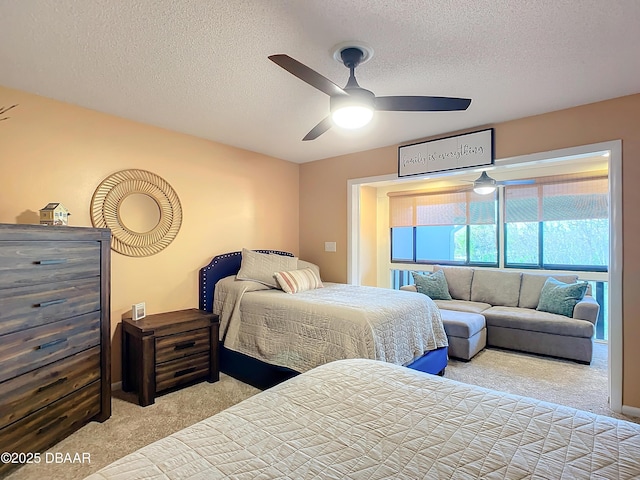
[365, 238]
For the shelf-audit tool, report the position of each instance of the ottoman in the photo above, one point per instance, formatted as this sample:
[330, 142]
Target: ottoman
[467, 333]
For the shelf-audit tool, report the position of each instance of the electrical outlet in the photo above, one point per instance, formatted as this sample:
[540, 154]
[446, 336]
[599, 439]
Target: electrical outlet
[329, 246]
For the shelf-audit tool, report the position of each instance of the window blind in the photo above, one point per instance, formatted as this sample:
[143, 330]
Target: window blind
[441, 208]
[557, 198]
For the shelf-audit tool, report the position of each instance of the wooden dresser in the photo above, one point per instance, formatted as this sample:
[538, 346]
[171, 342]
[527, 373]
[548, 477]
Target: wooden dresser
[55, 358]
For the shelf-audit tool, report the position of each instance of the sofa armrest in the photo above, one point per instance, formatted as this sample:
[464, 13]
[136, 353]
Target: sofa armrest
[587, 309]
[409, 288]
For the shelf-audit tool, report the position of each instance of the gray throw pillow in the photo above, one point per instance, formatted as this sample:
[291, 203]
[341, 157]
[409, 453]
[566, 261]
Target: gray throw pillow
[433, 285]
[261, 267]
[559, 297]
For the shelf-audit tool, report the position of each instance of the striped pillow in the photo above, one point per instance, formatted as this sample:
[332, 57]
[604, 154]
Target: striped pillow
[294, 281]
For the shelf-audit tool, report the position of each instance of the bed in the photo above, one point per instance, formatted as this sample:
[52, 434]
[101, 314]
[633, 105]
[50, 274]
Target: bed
[268, 335]
[366, 419]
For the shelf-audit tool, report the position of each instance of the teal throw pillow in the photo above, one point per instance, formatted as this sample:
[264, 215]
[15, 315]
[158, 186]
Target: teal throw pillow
[433, 285]
[559, 297]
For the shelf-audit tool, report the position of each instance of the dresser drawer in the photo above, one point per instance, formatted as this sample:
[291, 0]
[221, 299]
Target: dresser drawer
[43, 428]
[181, 345]
[34, 262]
[31, 306]
[182, 370]
[27, 393]
[23, 351]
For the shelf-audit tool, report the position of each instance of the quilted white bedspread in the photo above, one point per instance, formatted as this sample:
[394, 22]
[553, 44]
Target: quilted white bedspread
[307, 329]
[363, 419]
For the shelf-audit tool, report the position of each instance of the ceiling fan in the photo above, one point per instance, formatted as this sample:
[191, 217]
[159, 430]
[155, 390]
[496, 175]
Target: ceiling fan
[485, 184]
[353, 106]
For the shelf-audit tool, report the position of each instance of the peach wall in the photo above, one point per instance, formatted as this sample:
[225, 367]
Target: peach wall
[368, 236]
[323, 199]
[323, 206]
[231, 198]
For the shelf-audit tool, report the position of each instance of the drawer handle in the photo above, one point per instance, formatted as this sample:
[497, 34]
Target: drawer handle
[182, 346]
[52, 424]
[53, 261]
[51, 302]
[181, 373]
[53, 384]
[51, 344]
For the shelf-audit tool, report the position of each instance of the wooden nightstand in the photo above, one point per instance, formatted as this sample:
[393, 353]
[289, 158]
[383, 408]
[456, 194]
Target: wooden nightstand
[167, 350]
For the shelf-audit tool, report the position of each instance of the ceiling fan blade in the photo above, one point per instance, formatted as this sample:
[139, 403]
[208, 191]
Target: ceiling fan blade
[307, 75]
[319, 129]
[421, 104]
[485, 180]
[515, 182]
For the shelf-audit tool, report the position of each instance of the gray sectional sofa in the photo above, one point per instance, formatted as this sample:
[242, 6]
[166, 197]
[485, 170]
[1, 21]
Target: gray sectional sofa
[508, 300]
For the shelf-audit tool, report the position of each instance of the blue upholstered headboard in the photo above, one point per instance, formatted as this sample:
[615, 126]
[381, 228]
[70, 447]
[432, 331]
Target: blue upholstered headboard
[219, 267]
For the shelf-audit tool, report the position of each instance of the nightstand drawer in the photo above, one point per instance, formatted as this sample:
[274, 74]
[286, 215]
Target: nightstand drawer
[183, 370]
[181, 345]
[31, 263]
[27, 393]
[30, 306]
[21, 352]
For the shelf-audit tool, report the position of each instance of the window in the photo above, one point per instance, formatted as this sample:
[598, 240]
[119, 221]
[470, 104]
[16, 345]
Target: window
[441, 243]
[403, 246]
[454, 227]
[558, 223]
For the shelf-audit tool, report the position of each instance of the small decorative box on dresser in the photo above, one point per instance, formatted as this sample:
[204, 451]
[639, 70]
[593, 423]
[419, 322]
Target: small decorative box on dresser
[168, 350]
[55, 337]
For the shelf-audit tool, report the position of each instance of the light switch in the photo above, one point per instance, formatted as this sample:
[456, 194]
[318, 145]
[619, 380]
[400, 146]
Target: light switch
[329, 246]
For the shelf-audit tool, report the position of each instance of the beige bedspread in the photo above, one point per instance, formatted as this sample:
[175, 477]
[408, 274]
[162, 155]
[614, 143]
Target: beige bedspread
[307, 329]
[362, 419]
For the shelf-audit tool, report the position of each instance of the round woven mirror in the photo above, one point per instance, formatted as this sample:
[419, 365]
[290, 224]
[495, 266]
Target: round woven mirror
[141, 209]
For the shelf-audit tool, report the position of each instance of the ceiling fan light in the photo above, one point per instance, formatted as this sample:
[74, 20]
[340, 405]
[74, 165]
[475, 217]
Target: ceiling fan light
[352, 116]
[484, 185]
[484, 189]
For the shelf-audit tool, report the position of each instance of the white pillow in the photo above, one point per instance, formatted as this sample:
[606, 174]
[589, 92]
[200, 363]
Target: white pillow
[295, 281]
[304, 264]
[261, 267]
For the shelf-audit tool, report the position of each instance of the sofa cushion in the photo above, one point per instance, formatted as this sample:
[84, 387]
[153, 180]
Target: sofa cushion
[532, 285]
[561, 298]
[462, 305]
[434, 285]
[533, 320]
[462, 324]
[496, 287]
[459, 281]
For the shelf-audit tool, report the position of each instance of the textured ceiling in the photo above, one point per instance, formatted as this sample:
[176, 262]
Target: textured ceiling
[200, 66]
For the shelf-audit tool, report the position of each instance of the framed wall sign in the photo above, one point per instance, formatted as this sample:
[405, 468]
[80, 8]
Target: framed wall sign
[473, 149]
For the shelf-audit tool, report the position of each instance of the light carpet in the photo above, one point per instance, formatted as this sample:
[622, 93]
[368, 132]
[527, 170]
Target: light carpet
[131, 426]
[550, 379]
